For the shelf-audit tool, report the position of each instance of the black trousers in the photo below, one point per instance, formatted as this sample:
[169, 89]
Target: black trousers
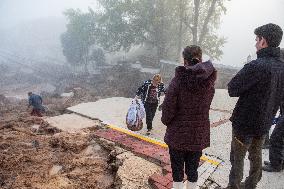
[276, 150]
[184, 159]
[150, 109]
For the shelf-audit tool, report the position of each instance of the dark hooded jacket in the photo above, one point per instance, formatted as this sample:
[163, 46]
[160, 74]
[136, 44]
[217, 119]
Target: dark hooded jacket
[186, 107]
[260, 88]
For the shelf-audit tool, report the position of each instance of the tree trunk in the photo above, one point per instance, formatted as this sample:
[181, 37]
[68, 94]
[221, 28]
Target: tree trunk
[195, 21]
[86, 59]
[180, 32]
[160, 32]
[85, 64]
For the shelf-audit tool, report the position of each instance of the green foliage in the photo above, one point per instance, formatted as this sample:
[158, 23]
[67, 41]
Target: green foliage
[79, 37]
[124, 23]
[164, 25]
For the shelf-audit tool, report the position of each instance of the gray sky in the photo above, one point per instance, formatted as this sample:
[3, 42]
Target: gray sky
[15, 11]
[237, 25]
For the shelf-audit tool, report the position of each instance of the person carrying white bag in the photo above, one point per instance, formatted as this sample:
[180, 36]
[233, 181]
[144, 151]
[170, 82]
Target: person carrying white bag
[150, 93]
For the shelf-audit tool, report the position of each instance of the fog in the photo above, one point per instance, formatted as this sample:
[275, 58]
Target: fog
[237, 24]
[13, 12]
[87, 58]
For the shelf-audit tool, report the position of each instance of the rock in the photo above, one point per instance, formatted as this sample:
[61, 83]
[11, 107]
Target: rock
[71, 94]
[109, 145]
[97, 148]
[51, 130]
[92, 150]
[119, 150]
[35, 128]
[134, 172]
[55, 170]
[89, 151]
[122, 157]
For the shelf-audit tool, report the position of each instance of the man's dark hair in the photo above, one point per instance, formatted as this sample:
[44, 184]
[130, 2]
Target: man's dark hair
[272, 33]
[30, 93]
[193, 54]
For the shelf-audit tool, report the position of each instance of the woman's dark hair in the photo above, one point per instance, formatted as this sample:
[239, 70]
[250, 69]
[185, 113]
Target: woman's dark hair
[193, 54]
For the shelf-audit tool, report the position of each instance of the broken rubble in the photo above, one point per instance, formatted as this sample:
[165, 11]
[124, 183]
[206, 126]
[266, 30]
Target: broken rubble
[134, 172]
[55, 170]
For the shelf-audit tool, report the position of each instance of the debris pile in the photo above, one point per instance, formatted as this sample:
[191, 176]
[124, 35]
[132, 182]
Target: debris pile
[30, 158]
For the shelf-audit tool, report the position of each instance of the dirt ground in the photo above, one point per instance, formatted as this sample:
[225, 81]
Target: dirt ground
[37, 156]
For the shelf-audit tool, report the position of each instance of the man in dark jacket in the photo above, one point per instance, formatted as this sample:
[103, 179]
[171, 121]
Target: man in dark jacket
[260, 88]
[36, 102]
[266, 144]
[185, 112]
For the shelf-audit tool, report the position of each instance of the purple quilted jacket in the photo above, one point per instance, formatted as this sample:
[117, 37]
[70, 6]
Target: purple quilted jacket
[186, 107]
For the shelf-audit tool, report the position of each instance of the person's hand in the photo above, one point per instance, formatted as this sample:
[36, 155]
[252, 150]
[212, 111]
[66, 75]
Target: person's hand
[160, 107]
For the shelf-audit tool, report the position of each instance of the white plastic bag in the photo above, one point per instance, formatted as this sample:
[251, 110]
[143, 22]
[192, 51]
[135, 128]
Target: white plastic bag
[141, 110]
[135, 114]
[132, 114]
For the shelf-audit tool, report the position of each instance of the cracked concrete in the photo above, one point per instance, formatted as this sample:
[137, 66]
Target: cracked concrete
[70, 122]
[113, 111]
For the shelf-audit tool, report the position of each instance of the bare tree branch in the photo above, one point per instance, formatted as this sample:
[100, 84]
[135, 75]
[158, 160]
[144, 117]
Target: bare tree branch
[187, 24]
[206, 21]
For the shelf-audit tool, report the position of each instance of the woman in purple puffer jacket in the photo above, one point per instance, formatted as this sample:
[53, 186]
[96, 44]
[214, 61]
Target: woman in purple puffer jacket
[185, 112]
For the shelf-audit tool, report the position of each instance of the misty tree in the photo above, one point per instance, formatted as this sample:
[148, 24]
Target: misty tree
[202, 24]
[79, 37]
[98, 56]
[166, 25]
[123, 24]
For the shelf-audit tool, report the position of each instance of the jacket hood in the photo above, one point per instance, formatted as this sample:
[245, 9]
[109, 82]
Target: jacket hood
[194, 77]
[201, 71]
